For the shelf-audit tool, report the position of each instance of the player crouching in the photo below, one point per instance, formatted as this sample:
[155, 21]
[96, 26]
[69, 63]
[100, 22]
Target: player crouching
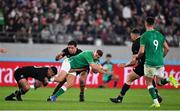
[21, 75]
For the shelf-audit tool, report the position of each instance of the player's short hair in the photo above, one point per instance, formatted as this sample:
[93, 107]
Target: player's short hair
[108, 55]
[100, 52]
[150, 20]
[72, 42]
[135, 31]
[54, 69]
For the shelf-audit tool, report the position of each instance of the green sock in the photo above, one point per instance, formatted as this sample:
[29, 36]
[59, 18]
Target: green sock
[164, 81]
[152, 92]
[59, 92]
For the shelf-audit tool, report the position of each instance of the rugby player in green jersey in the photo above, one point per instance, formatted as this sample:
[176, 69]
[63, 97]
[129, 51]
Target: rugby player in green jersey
[77, 63]
[156, 48]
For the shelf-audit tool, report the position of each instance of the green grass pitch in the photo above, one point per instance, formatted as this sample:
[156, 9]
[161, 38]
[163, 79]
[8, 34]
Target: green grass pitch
[96, 99]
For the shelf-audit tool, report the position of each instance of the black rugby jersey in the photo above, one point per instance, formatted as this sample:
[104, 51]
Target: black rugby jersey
[67, 54]
[38, 73]
[135, 49]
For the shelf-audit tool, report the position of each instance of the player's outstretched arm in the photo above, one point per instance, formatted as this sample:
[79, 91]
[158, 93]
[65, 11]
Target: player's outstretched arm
[3, 50]
[166, 48]
[141, 52]
[37, 84]
[130, 63]
[59, 56]
[98, 68]
[81, 69]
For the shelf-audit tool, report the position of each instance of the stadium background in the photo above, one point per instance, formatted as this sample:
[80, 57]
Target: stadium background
[43, 55]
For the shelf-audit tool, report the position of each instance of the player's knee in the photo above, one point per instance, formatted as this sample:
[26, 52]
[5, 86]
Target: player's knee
[149, 83]
[59, 79]
[26, 87]
[129, 81]
[69, 86]
[82, 83]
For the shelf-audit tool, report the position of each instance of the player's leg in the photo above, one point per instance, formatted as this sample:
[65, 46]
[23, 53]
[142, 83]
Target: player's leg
[23, 89]
[149, 74]
[130, 78]
[162, 81]
[62, 75]
[70, 82]
[157, 92]
[22, 84]
[59, 85]
[82, 81]
[116, 79]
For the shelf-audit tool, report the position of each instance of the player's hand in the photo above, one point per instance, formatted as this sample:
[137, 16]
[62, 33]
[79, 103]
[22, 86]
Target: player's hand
[37, 84]
[122, 65]
[3, 50]
[57, 58]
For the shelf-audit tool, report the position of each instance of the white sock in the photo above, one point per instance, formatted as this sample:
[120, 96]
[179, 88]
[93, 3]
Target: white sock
[64, 88]
[155, 101]
[52, 79]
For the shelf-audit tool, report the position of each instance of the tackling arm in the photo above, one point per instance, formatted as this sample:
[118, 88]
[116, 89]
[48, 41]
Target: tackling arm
[141, 52]
[130, 63]
[38, 84]
[59, 56]
[98, 68]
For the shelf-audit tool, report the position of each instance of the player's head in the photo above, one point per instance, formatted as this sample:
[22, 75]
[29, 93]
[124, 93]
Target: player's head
[97, 54]
[149, 22]
[135, 34]
[72, 47]
[108, 57]
[52, 71]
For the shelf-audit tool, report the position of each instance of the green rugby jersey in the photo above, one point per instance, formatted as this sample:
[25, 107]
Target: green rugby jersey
[81, 60]
[153, 43]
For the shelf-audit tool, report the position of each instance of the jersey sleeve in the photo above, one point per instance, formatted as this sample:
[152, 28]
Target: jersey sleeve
[135, 48]
[79, 50]
[143, 40]
[89, 57]
[64, 52]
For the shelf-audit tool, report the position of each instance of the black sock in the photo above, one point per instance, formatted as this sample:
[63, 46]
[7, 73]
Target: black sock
[124, 89]
[20, 92]
[154, 84]
[58, 86]
[82, 86]
[115, 84]
[164, 81]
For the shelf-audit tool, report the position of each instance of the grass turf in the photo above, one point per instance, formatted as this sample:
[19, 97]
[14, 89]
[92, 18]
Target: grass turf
[96, 99]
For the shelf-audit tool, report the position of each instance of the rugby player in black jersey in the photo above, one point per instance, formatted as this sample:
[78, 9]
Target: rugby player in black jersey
[21, 75]
[137, 72]
[69, 51]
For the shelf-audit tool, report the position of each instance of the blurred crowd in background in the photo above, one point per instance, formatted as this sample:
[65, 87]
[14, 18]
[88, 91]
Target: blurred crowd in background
[86, 21]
